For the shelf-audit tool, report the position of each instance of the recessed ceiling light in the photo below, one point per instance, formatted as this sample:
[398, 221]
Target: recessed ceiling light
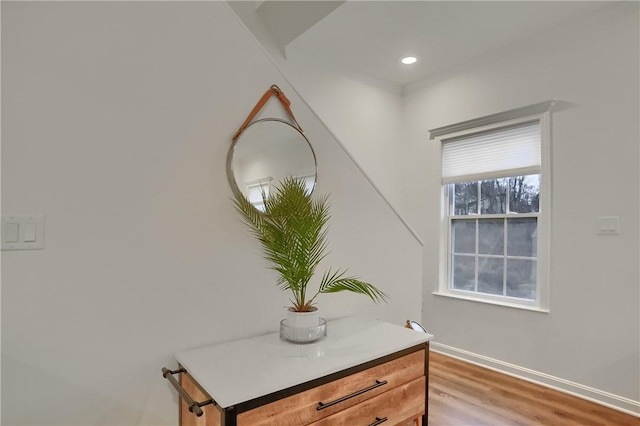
[408, 60]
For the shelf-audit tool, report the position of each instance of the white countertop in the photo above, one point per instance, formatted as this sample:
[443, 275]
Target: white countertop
[242, 370]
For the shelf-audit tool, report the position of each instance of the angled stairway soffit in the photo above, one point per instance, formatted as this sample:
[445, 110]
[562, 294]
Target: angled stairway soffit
[287, 20]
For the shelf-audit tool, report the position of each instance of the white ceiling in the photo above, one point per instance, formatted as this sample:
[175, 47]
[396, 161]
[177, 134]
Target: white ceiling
[369, 38]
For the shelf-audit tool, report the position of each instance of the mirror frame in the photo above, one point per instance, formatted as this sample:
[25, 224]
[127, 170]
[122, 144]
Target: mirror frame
[230, 174]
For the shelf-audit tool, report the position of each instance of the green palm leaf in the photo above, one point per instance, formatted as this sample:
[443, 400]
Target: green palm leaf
[336, 282]
[292, 233]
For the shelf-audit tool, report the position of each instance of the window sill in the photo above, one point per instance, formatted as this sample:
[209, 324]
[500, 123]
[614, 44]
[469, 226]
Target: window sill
[492, 302]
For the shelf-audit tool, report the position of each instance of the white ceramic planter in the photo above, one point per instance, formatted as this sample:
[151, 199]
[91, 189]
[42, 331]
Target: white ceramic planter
[303, 319]
[303, 327]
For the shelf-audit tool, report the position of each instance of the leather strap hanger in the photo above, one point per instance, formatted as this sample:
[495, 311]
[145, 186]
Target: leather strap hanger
[273, 90]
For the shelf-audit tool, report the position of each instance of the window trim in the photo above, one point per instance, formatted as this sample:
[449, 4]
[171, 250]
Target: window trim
[542, 302]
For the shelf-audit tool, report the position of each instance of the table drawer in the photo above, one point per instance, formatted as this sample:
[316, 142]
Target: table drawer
[397, 406]
[330, 398]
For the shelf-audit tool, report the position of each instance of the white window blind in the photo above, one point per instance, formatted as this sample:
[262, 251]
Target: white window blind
[507, 151]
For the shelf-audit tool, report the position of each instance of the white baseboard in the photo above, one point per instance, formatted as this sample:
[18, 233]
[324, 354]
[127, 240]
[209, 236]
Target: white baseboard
[607, 399]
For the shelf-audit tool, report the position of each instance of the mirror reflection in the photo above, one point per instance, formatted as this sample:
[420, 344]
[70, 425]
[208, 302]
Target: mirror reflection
[266, 152]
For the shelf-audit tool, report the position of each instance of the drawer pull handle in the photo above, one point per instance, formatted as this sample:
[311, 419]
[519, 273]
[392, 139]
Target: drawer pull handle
[194, 406]
[379, 420]
[377, 384]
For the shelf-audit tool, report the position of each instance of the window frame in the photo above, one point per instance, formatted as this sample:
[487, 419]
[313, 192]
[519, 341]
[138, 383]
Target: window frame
[306, 178]
[541, 303]
[261, 184]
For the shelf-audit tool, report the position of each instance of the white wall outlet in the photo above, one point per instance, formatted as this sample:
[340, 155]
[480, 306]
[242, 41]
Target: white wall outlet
[22, 232]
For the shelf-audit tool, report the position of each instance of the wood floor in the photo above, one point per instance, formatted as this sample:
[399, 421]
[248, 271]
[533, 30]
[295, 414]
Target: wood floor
[462, 394]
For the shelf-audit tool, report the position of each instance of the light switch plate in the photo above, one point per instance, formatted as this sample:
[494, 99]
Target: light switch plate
[608, 225]
[22, 232]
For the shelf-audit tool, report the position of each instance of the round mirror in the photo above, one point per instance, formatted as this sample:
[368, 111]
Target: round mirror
[266, 152]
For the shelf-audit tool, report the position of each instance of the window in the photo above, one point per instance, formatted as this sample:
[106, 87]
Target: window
[258, 191]
[309, 182]
[495, 218]
[493, 236]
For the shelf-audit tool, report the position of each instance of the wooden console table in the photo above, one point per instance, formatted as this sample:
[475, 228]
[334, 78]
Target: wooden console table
[365, 372]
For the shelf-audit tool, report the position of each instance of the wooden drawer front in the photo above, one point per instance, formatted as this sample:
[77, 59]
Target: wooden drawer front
[398, 406]
[301, 409]
[414, 422]
[212, 415]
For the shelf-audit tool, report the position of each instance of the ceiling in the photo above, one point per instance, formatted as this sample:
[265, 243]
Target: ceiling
[368, 38]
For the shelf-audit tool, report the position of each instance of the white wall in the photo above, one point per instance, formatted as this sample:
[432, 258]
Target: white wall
[116, 119]
[363, 113]
[365, 118]
[591, 336]
[589, 343]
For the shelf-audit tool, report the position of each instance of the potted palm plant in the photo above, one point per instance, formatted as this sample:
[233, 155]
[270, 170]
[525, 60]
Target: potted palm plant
[293, 235]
